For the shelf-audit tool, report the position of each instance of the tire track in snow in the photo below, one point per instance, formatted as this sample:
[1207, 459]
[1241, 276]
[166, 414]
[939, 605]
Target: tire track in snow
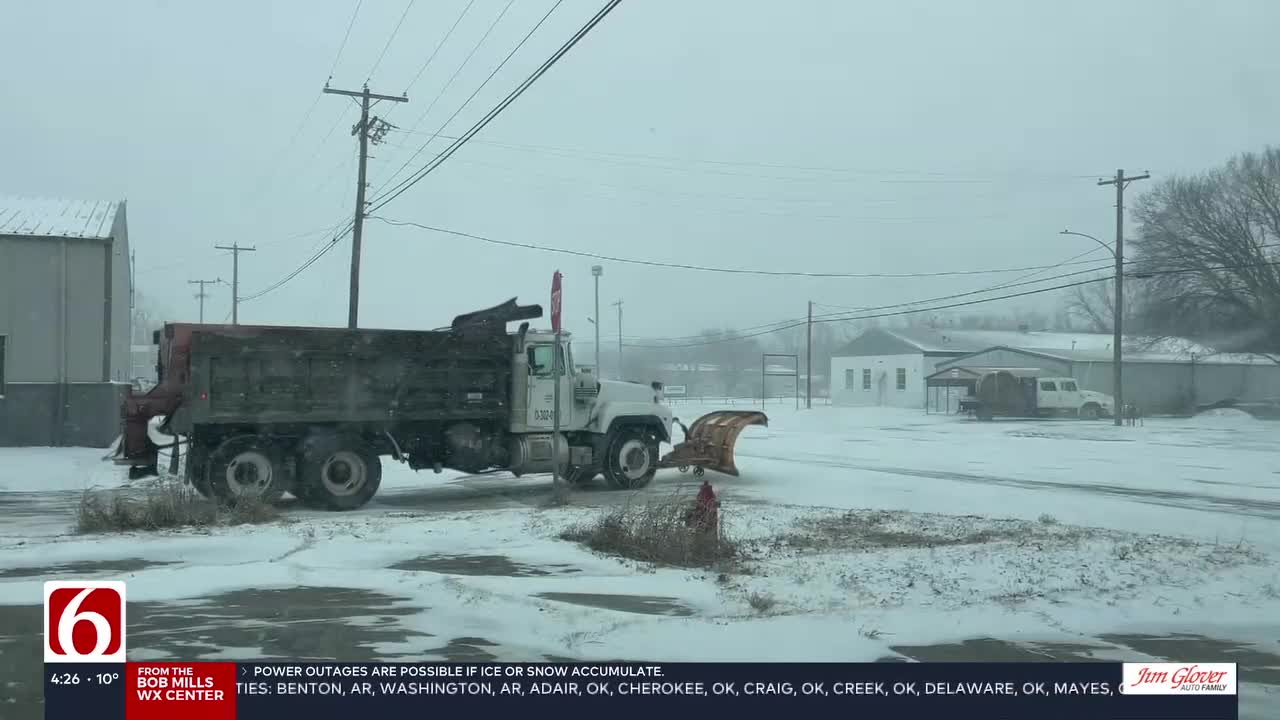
[1265, 509]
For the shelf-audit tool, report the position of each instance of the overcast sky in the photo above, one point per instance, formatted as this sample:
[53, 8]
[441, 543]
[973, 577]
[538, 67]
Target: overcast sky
[954, 136]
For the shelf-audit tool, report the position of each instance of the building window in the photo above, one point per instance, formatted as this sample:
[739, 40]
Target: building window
[848, 379]
[1048, 386]
[902, 378]
[866, 379]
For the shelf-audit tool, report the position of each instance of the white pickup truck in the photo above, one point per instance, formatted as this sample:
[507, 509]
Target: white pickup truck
[1005, 393]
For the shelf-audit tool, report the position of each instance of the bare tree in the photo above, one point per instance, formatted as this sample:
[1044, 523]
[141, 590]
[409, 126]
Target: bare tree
[1094, 305]
[1213, 242]
[732, 355]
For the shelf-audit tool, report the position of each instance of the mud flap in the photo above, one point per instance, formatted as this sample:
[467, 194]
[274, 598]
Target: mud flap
[709, 442]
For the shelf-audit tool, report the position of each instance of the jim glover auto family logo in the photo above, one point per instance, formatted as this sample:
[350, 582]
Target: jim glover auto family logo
[1179, 679]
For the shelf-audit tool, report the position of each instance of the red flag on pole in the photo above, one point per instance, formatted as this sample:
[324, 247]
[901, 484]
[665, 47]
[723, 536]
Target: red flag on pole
[555, 302]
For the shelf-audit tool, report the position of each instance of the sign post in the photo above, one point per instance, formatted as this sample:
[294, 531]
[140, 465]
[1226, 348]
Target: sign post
[556, 370]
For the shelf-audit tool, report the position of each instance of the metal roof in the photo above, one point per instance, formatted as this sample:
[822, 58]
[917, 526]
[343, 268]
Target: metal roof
[965, 372]
[52, 217]
[940, 340]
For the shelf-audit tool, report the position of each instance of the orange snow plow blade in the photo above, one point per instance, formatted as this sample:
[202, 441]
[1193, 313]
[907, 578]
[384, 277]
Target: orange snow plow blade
[708, 443]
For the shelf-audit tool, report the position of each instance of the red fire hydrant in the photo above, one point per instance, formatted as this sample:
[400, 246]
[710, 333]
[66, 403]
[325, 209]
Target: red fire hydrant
[704, 516]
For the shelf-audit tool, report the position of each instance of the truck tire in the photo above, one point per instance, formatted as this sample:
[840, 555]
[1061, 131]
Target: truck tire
[338, 473]
[244, 467]
[630, 458]
[1090, 411]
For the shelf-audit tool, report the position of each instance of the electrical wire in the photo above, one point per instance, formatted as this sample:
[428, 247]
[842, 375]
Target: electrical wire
[324, 249]
[343, 46]
[395, 31]
[445, 89]
[561, 151]
[498, 109]
[1079, 283]
[475, 92]
[709, 268]
[439, 45]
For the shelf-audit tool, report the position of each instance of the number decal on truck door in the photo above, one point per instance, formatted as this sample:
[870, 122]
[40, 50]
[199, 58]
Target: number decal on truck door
[542, 415]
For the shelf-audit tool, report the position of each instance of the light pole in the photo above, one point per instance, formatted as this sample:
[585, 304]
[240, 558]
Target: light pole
[1117, 307]
[596, 272]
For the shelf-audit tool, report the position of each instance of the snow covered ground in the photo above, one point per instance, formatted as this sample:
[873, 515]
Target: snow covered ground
[870, 533]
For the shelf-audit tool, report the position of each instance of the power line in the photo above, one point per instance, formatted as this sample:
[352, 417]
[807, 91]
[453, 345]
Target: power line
[704, 208]
[497, 110]
[325, 248]
[475, 92]
[443, 90]
[439, 45]
[386, 47]
[562, 151]
[842, 316]
[343, 46]
[1104, 278]
[708, 268]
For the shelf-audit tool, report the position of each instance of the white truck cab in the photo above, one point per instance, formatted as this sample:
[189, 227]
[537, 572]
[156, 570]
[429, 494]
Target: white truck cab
[1063, 396]
[609, 426]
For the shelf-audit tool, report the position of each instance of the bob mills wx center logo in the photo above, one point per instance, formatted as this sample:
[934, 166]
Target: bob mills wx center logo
[1179, 679]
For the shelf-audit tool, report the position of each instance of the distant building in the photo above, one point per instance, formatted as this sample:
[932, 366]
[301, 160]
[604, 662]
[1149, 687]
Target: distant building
[64, 321]
[1159, 380]
[889, 367]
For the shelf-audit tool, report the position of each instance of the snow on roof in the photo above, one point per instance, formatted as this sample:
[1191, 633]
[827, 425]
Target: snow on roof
[974, 372]
[1143, 356]
[52, 217]
[968, 341]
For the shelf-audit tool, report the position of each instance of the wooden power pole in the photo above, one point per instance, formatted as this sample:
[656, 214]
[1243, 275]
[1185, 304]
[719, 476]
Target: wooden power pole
[202, 294]
[808, 361]
[367, 131]
[1117, 356]
[235, 277]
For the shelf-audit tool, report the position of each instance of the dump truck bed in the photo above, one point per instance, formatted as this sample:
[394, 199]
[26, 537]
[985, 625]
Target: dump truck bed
[323, 375]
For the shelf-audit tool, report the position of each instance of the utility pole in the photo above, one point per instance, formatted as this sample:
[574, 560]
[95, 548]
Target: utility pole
[619, 306]
[235, 277]
[133, 307]
[596, 272]
[808, 362]
[202, 294]
[1120, 181]
[368, 131]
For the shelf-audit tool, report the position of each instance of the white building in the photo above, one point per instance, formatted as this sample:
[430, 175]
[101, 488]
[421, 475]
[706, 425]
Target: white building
[888, 367]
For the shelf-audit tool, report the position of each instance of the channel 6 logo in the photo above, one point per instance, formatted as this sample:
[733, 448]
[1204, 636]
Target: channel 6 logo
[83, 621]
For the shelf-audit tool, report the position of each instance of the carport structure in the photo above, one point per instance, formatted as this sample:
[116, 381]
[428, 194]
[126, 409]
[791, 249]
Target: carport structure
[945, 388]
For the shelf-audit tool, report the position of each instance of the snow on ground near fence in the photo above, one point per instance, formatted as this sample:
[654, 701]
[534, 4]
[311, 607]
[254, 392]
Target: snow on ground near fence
[863, 528]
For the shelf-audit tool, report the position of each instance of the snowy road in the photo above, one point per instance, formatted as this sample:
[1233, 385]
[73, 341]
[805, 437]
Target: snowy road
[1018, 540]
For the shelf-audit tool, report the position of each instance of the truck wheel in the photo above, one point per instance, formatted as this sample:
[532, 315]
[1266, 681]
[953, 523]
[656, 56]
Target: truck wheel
[243, 467]
[338, 473]
[1090, 411]
[631, 458]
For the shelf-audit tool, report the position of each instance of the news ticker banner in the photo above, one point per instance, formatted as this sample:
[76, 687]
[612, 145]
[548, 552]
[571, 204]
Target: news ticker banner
[271, 690]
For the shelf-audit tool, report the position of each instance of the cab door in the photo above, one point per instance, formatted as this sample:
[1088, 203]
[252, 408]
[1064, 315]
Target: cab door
[1047, 396]
[542, 386]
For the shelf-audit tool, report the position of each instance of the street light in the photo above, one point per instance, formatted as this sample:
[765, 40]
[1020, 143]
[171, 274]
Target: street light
[596, 272]
[1110, 251]
[1117, 307]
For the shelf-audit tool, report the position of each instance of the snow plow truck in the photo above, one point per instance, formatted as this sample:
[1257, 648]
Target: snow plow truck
[263, 410]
